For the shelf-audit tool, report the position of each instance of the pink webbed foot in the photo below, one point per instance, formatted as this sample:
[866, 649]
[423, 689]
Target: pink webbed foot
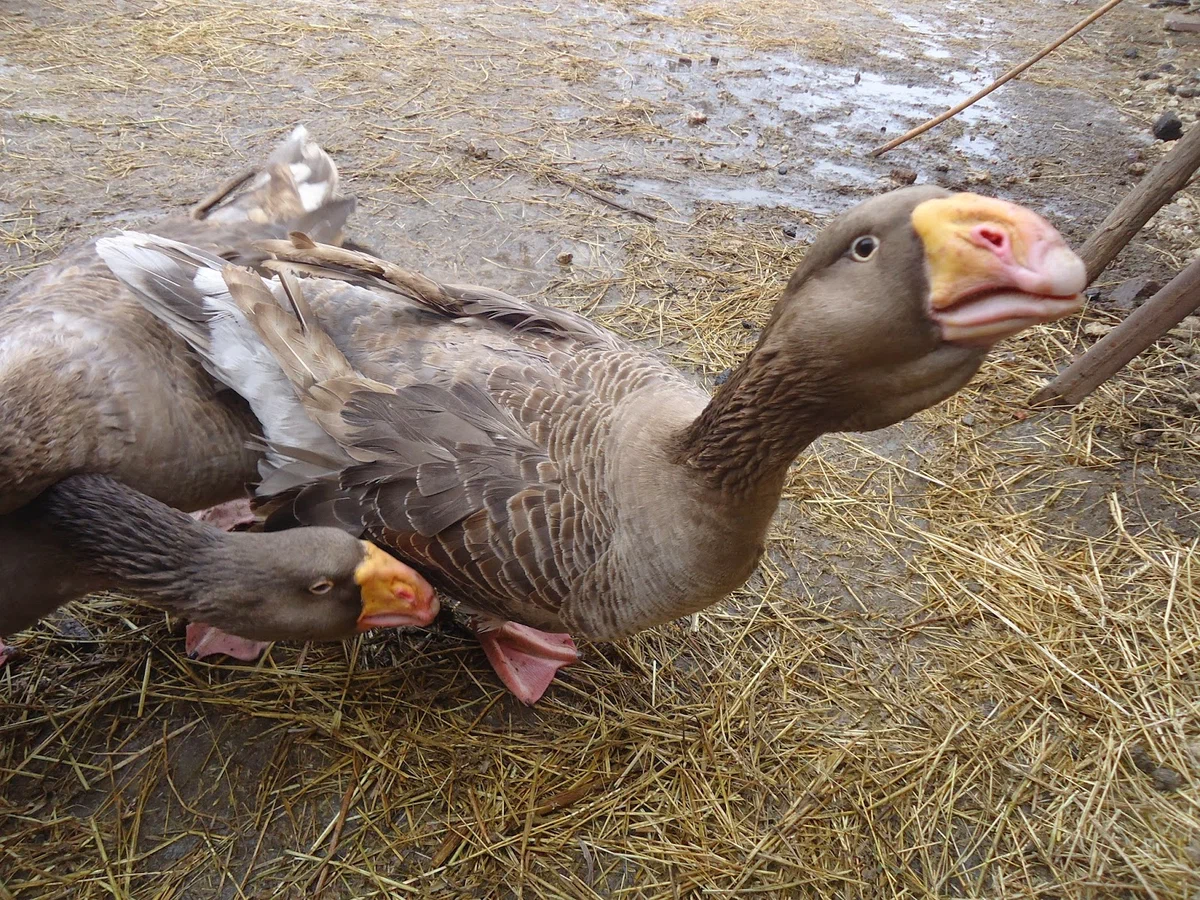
[524, 658]
[231, 516]
[7, 653]
[205, 640]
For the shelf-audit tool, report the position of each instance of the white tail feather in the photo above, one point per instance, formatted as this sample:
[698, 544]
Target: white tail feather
[183, 287]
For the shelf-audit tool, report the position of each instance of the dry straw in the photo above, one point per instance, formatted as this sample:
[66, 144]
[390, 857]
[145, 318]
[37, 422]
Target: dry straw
[967, 668]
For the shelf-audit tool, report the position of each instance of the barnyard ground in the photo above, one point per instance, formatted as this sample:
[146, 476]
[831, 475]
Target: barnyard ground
[970, 666]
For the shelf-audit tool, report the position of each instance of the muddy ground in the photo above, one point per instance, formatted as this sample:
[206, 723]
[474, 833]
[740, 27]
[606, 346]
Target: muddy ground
[969, 665]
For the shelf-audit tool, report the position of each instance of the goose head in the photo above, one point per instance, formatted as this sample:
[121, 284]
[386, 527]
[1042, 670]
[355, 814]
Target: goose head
[898, 301]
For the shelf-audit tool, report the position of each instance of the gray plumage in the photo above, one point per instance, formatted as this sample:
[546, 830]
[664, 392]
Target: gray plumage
[90, 382]
[90, 533]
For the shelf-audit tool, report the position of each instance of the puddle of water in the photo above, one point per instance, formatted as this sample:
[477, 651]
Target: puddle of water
[802, 191]
[912, 23]
[745, 196]
[874, 93]
[825, 101]
[840, 173]
[975, 145]
[782, 108]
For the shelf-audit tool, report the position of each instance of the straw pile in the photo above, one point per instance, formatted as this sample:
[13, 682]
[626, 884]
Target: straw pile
[968, 667]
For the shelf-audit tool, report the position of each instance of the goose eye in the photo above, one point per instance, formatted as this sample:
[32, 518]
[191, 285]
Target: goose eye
[324, 586]
[864, 247]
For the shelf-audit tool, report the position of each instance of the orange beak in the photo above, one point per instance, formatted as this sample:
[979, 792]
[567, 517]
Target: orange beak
[994, 268]
[393, 594]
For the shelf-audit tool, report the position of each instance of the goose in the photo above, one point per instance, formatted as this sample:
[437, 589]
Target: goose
[89, 382]
[550, 477]
[89, 533]
[92, 383]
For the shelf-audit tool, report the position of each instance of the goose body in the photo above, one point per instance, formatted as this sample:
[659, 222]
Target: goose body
[543, 472]
[92, 383]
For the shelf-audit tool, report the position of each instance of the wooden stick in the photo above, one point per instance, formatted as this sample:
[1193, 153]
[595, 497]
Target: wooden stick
[227, 187]
[596, 195]
[1162, 311]
[1143, 327]
[1181, 23]
[1007, 76]
[1148, 197]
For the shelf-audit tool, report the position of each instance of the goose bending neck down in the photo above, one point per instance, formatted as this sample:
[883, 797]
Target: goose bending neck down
[91, 533]
[550, 476]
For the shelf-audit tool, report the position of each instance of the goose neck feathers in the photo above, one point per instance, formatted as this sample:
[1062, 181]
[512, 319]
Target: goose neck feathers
[89, 533]
[892, 311]
[122, 537]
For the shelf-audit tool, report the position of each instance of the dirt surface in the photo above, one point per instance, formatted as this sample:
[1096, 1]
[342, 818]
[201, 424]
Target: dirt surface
[969, 664]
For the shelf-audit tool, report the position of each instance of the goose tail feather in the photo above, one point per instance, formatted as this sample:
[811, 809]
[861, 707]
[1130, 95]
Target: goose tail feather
[296, 188]
[213, 306]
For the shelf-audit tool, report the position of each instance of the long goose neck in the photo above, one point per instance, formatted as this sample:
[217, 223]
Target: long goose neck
[126, 541]
[756, 425]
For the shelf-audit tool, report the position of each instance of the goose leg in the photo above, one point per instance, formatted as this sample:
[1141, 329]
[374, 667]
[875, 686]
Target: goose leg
[232, 516]
[7, 653]
[205, 640]
[524, 658]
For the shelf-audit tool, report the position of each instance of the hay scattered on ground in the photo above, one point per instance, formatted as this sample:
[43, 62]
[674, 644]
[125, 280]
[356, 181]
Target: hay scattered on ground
[968, 666]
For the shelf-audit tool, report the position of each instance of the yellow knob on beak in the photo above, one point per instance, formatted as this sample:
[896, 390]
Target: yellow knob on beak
[393, 594]
[994, 268]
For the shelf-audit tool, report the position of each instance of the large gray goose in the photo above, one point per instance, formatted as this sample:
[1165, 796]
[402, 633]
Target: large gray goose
[545, 473]
[92, 383]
